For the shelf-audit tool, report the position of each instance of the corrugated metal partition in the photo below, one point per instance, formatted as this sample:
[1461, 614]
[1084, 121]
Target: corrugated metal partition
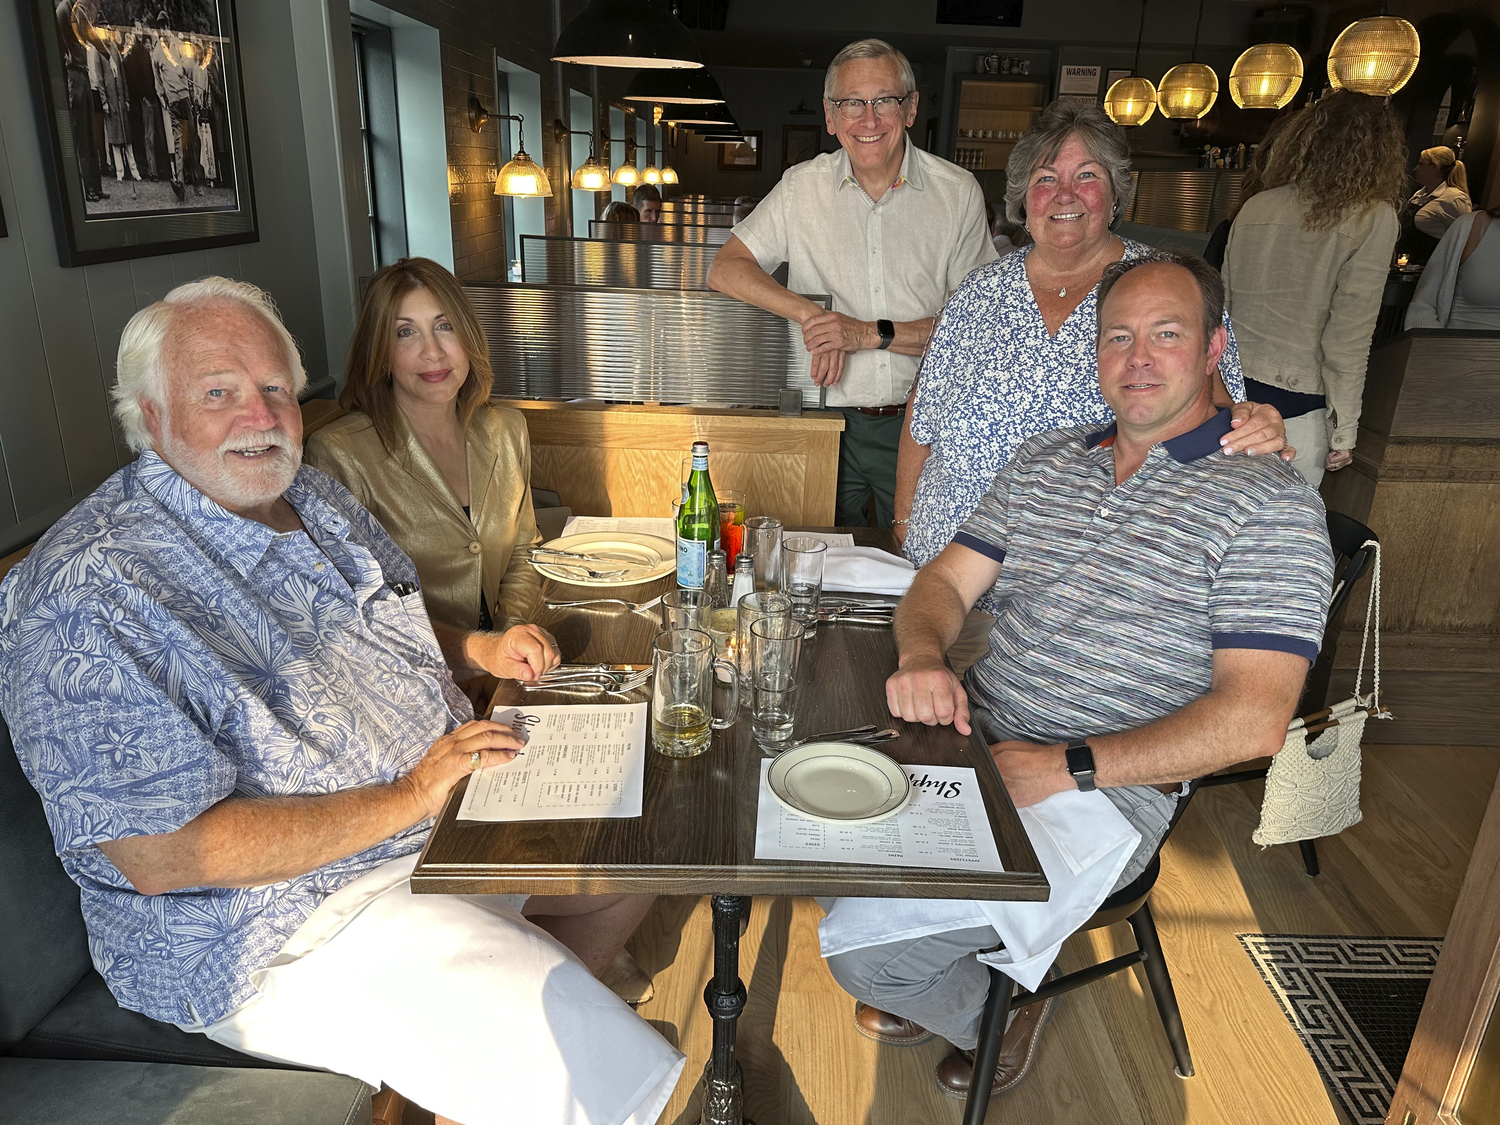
[614, 263]
[680, 207]
[1190, 199]
[660, 232]
[639, 345]
[698, 218]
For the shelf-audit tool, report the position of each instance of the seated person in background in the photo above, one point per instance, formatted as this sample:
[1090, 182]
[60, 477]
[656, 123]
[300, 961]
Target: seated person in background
[221, 679]
[1441, 199]
[447, 474]
[1460, 288]
[647, 200]
[618, 212]
[1159, 607]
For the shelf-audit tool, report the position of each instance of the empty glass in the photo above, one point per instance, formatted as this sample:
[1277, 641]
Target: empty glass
[763, 540]
[775, 648]
[753, 607]
[682, 692]
[686, 609]
[802, 576]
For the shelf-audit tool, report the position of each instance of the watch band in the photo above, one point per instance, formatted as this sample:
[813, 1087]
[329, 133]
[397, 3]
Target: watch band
[1080, 759]
[887, 332]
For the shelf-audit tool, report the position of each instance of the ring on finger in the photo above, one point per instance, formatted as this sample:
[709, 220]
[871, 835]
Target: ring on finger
[475, 757]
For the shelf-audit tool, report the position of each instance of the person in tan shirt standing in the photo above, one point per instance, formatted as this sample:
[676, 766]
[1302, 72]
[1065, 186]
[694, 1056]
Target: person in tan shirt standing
[447, 474]
[1305, 267]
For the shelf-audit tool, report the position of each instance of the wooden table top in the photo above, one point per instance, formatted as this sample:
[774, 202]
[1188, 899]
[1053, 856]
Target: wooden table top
[696, 834]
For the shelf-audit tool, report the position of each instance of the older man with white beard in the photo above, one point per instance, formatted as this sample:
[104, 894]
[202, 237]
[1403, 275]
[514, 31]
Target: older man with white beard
[219, 675]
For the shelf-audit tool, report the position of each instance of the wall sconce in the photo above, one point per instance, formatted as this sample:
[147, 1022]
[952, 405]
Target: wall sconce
[626, 174]
[521, 176]
[590, 175]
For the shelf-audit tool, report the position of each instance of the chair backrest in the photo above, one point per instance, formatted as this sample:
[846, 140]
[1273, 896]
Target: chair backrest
[1348, 538]
[43, 945]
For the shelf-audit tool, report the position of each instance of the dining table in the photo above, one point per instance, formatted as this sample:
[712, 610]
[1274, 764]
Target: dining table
[697, 829]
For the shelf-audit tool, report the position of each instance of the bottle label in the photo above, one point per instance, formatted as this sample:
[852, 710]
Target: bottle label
[692, 562]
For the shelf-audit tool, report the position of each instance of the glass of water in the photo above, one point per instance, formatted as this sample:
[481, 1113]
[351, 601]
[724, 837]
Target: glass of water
[682, 692]
[802, 577]
[763, 540]
[686, 609]
[775, 648]
[753, 607]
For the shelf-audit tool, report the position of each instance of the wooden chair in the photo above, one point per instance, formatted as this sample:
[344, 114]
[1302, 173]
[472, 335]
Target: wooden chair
[1128, 904]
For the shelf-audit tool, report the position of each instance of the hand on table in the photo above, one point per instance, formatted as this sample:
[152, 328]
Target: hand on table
[1338, 459]
[1258, 428]
[1032, 773]
[451, 758]
[927, 691]
[522, 652]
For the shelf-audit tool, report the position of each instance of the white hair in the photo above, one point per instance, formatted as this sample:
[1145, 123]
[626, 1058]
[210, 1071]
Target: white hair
[869, 49]
[140, 372]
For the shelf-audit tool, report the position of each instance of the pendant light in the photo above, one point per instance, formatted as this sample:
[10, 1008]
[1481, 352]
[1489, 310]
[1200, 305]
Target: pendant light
[668, 174]
[1375, 56]
[590, 175]
[1132, 101]
[626, 174]
[1266, 76]
[1189, 89]
[636, 33]
[521, 176]
[695, 115]
[674, 87]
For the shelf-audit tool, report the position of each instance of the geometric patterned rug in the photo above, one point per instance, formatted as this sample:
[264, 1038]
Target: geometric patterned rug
[1354, 1002]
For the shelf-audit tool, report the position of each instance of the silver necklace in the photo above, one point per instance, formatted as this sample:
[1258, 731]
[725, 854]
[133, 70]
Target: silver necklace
[1063, 292]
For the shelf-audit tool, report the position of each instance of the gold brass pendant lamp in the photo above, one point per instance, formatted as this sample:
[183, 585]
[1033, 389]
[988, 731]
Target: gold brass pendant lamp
[1189, 90]
[1132, 101]
[1374, 56]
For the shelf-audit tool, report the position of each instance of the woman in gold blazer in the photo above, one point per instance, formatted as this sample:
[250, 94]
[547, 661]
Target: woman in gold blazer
[447, 474]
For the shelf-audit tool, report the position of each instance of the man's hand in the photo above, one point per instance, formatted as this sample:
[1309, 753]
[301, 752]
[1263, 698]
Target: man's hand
[829, 331]
[1032, 773]
[827, 368]
[451, 758]
[925, 690]
[1258, 429]
[1337, 459]
[523, 652]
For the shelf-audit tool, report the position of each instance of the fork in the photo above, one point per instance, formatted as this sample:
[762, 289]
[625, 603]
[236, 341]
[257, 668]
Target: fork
[864, 736]
[595, 574]
[634, 607]
[605, 684]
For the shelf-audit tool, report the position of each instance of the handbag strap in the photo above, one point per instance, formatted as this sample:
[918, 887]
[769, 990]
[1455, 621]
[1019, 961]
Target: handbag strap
[1372, 625]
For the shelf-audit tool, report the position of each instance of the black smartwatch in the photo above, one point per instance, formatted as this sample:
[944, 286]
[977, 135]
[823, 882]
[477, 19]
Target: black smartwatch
[1081, 764]
[887, 332]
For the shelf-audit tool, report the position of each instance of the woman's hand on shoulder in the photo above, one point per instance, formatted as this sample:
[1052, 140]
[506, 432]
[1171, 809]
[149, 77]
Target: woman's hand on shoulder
[1257, 428]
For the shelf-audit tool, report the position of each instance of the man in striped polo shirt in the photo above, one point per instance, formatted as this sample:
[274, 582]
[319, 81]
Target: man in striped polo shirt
[1160, 606]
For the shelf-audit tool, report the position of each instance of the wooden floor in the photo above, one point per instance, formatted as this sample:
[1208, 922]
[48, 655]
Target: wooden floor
[1104, 1059]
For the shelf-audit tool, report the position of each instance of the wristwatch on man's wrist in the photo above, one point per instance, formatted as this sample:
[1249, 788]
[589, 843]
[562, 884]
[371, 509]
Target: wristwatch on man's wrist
[887, 332]
[1080, 759]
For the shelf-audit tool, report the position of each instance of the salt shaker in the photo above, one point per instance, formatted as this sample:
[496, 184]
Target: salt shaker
[744, 577]
[716, 581]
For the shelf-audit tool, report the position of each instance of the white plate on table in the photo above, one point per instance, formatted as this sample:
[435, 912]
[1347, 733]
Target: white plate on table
[839, 783]
[647, 557]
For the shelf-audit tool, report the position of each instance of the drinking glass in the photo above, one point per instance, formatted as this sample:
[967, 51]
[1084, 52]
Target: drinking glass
[682, 692]
[686, 609]
[763, 541]
[752, 608]
[731, 523]
[802, 576]
[775, 647]
[722, 624]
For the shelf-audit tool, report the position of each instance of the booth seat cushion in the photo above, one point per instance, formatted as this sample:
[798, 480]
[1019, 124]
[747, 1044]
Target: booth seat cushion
[89, 1024]
[63, 1092]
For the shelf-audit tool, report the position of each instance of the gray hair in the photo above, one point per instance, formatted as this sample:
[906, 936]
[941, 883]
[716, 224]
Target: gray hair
[1210, 284]
[1105, 141]
[140, 372]
[869, 49]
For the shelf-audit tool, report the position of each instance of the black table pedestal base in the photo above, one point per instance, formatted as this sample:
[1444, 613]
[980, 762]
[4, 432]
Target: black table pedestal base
[723, 1099]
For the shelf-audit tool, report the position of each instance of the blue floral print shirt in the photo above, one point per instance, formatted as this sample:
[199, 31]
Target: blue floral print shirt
[161, 654]
[992, 378]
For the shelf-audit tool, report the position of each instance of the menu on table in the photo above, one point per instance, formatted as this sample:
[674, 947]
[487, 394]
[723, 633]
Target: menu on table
[943, 826]
[578, 762]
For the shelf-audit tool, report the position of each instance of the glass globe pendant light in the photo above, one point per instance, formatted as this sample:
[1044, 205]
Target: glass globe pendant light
[1375, 56]
[1189, 89]
[521, 176]
[1266, 76]
[1132, 101]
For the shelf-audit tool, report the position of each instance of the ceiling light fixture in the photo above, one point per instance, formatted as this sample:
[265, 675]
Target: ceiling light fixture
[674, 87]
[636, 33]
[1266, 76]
[1375, 56]
[1132, 101]
[1189, 89]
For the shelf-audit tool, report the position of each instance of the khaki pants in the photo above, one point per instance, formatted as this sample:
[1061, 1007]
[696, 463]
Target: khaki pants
[1308, 434]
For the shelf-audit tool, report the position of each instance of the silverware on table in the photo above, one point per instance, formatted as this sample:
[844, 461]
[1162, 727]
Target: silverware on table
[582, 556]
[864, 736]
[634, 607]
[595, 683]
[556, 564]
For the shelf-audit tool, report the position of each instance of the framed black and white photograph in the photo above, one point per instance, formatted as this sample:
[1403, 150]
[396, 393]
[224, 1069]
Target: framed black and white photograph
[743, 157]
[144, 116]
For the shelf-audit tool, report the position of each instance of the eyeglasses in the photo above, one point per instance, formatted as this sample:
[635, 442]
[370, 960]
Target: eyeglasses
[852, 109]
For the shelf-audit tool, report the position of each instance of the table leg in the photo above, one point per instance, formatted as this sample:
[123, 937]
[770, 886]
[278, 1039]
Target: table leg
[723, 1100]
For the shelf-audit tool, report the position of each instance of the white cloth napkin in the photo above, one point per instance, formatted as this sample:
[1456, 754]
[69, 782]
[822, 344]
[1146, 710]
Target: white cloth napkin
[1083, 843]
[866, 570]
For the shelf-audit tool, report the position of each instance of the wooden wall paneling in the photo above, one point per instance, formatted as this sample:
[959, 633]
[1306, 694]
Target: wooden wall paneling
[152, 278]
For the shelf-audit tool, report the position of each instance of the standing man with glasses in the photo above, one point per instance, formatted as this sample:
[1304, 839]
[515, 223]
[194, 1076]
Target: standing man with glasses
[886, 230]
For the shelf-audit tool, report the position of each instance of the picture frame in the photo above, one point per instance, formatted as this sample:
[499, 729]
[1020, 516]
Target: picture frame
[745, 157]
[798, 143]
[142, 114]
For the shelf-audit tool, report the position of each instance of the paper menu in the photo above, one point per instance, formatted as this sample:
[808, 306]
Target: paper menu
[660, 526]
[579, 762]
[943, 826]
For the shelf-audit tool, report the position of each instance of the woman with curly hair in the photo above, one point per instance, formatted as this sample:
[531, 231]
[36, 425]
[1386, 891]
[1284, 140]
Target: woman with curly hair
[1305, 267]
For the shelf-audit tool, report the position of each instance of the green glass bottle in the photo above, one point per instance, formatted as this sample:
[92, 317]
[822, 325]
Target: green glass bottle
[697, 523]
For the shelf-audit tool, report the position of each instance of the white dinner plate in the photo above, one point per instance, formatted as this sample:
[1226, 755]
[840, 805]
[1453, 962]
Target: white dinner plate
[646, 557]
[840, 783]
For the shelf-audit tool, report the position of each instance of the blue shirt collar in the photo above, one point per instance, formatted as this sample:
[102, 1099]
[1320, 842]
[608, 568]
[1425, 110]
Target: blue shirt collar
[1197, 443]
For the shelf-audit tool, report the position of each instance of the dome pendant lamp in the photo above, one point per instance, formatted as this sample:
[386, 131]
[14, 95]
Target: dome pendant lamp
[521, 175]
[674, 87]
[1189, 89]
[1375, 56]
[1132, 101]
[634, 33]
[1266, 76]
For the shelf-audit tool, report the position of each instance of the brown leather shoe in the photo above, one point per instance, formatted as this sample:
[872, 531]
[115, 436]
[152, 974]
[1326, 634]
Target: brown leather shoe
[955, 1074]
[883, 1027]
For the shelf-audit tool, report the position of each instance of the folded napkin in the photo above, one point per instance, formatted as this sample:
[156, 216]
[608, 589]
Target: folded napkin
[866, 570]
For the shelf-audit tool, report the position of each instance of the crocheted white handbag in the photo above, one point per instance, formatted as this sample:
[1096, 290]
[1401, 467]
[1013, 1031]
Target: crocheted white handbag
[1312, 787]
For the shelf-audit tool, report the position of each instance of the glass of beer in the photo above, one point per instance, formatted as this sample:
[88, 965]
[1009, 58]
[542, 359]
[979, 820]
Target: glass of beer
[682, 692]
